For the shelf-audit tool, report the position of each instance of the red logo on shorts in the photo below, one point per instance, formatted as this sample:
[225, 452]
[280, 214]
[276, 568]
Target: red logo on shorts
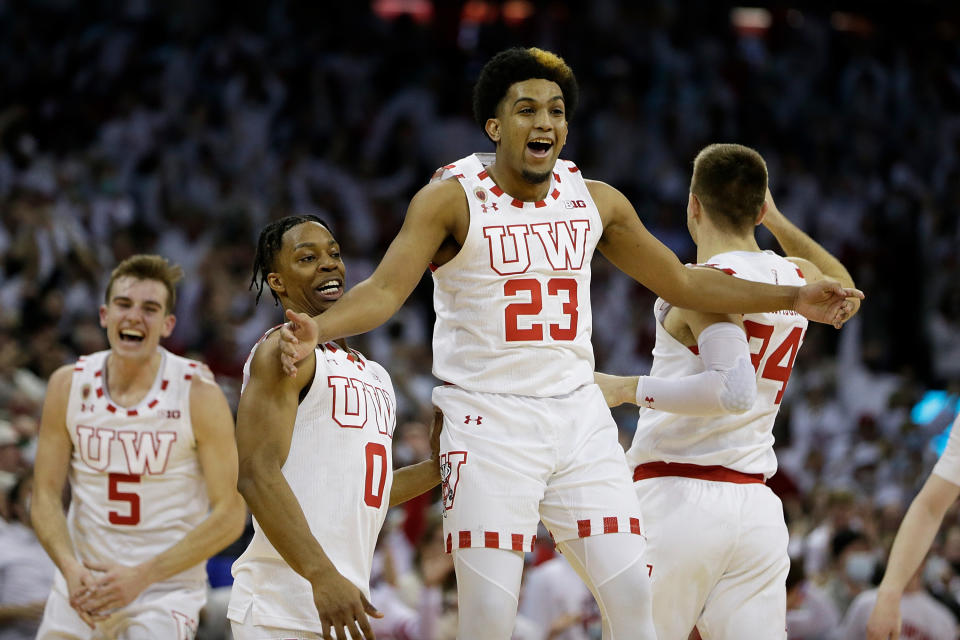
[467, 419]
[649, 401]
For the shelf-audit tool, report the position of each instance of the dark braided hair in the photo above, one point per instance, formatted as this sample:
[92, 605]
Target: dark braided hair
[268, 245]
[516, 65]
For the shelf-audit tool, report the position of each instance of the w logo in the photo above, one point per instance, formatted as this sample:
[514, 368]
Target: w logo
[477, 420]
[450, 464]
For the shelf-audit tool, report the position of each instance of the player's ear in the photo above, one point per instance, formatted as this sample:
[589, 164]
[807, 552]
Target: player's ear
[103, 316]
[275, 283]
[493, 129]
[763, 212]
[169, 322]
[694, 208]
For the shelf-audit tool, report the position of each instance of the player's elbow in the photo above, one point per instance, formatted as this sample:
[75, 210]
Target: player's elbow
[235, 517]
[739, 388]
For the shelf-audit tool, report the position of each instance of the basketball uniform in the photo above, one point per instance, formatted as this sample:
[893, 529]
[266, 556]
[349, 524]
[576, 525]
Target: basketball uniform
[527, 434]
[136, 489]
[717, 538]
[340, 468]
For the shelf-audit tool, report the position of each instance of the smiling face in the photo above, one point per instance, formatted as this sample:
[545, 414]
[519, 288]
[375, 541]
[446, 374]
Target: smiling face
[530, 128]
[309, 273]
[135, 316]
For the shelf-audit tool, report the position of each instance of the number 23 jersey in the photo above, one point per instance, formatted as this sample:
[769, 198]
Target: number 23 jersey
[743, 442]
[513, 306]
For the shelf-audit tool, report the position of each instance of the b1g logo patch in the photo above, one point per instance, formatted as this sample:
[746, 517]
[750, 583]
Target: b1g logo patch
[574, 204]
[450, 464]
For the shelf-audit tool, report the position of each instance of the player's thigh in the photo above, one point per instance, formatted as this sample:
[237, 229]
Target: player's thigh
[590, 491]
[61, 621]
[750, 601]
[495, 458]
[162, 612]
[691, 529]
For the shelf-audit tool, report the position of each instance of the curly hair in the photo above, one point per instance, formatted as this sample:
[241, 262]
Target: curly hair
[516, 65]
[149, 267]
[730, 180]
[268, 246]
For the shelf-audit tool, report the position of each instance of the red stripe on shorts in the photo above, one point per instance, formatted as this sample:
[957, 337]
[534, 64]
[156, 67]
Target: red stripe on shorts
[610, 525]
[464, 540]
[635, 526]
[583, 528]
[491, 540]
[516, 541]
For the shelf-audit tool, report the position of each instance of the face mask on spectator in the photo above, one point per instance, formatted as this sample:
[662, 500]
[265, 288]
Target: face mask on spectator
[859, 566]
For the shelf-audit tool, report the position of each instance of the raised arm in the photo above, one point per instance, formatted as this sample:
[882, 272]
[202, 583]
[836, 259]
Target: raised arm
[54, 450]
[265, 421]
[632, 248]
[438, 211]
[213, 429]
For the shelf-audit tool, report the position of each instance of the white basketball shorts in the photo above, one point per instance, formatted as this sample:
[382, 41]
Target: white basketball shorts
[509, 461]
[719, 559]
[162, 611]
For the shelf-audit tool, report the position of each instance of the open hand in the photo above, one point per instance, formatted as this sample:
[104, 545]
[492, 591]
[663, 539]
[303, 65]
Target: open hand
[298, 339]
[826, 301]
[343, 609]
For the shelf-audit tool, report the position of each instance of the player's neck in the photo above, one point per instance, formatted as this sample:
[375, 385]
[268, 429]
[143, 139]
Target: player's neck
[710, 244]
[514, 184]
[128, 377]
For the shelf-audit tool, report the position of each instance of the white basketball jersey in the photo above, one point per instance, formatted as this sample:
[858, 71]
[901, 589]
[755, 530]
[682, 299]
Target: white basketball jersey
[340, 468]
[741, 442]
[513, 306]
[137, 486]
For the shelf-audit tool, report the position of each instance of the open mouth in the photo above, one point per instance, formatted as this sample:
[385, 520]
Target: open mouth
[131, 335]
[540, 147]
[330, 289]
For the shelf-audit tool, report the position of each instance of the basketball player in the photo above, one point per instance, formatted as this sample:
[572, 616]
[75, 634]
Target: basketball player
[718, 541]
[526, 433]
[147, 445]
[315, 459]
[913, 540]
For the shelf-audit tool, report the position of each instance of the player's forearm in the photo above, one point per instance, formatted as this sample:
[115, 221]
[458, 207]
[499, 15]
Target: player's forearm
[223, 525]
[363, 308]
[50, 525]
[795, 242]
[617, 390]
[706, 289]
[409, 482]
[272, 502]
[913, 540]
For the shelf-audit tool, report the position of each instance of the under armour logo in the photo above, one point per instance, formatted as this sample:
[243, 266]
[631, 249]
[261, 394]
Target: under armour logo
[492, 205]
[467, 419]
[649, 402]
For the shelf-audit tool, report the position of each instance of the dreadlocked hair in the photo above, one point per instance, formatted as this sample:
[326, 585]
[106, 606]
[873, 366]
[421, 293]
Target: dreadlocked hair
[268, 245]
[516, 65]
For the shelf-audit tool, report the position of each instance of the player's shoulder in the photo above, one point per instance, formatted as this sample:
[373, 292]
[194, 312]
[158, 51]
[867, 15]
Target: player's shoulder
[443, 192]
[61, 379]
[806, 269]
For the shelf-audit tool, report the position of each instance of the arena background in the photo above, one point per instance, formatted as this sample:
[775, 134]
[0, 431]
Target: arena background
[180, 128]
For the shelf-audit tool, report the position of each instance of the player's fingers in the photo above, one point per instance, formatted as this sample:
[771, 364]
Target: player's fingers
[362, 630]
[327, 630]
[369, 609]
[96, 566]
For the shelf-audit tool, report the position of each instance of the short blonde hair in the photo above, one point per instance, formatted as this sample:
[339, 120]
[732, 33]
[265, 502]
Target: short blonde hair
[149, 267]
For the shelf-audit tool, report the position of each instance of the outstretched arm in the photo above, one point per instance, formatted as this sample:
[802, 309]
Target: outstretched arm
[265, 421]
[213, 428]
[54, 449]
[436, 212]
[632, 248]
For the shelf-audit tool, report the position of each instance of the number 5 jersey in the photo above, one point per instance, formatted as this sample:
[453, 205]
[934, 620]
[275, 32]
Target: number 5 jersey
[743, 442]
[136, 483]
[517, 294]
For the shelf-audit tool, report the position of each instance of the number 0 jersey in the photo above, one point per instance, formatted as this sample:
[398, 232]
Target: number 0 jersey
[340, 468]
[741, 442]
[136, 483]
[513, 306]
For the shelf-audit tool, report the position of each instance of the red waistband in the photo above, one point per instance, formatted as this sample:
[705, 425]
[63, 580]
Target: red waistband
[715, 473]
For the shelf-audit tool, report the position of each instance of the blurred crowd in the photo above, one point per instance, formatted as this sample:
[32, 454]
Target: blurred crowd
[181, 128]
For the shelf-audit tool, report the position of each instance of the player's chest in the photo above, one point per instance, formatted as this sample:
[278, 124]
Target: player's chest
[351, 393]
